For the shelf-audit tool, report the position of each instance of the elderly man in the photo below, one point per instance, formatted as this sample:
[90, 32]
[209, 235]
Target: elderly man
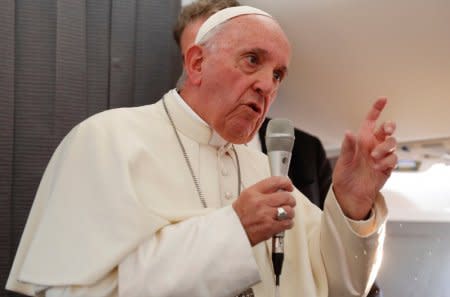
[162, 200]
[310, 170]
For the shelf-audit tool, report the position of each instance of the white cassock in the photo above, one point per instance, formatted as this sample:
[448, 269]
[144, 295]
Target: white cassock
[117, 214]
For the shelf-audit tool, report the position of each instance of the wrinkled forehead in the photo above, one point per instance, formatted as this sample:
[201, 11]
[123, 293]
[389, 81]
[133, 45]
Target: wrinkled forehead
[246, 29]
[255, 33]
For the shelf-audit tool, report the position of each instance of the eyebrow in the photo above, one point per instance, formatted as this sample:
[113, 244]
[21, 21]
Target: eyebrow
[264, 52]
[285, 71]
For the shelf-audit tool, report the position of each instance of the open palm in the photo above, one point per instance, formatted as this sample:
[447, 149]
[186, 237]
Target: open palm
[365, 163]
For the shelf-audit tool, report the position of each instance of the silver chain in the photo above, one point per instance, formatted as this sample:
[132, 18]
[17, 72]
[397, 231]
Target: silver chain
[249, 291]
[188, 162]
[186, 157]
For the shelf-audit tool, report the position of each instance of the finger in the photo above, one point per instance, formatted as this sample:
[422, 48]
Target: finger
[289, 210]
[376, 110]
[348, 147]
[274, 184]
[280, 199]
[386, 164]
[280, 226]
[386, 147]
[385, 130]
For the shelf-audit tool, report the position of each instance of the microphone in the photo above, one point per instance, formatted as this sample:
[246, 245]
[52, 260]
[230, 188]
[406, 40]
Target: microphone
[279, 141]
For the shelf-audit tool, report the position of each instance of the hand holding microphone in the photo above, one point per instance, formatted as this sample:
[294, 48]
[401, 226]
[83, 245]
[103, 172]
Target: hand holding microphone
[266, 209]
[279, 141]
[257, 208]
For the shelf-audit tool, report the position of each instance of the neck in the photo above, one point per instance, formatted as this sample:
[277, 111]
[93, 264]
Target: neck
[215, 139]
[193, 100]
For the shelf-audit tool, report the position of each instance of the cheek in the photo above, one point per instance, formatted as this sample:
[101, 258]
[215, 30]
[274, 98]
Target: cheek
[222, 112]
[273, 96]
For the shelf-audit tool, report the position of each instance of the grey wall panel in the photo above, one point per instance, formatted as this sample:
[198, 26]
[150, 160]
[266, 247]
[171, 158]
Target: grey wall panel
[416, 260]
[71, 67]
[153, 41]
[34, 95]
[123, 43]
[7, 44]
[98, 54]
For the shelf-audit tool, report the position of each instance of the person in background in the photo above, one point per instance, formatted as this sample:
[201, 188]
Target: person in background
[167, 200]
[192, 16]
[310, 170]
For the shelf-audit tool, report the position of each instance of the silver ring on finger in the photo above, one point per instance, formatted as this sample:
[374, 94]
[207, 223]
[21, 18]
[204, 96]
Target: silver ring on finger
[281, 214]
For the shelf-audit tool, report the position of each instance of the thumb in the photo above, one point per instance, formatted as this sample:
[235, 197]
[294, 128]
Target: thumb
[348, 147]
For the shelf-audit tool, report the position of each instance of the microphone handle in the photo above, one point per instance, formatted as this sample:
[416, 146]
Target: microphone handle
[278, 255]
[279, 166]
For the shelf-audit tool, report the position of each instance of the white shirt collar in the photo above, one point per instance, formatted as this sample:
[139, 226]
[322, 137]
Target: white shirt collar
[215, 140]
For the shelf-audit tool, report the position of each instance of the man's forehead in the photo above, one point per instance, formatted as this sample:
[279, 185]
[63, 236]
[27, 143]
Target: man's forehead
[258, 34]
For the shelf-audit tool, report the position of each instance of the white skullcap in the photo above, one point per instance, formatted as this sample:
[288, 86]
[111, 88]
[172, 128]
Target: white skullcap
[224, 15]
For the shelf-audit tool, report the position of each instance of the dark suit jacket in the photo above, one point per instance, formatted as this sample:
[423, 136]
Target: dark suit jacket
[310, 170]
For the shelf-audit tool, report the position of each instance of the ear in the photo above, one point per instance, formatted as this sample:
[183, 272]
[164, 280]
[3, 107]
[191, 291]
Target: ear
[193, 60]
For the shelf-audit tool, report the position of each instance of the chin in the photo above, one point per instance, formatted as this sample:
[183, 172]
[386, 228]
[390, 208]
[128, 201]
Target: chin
[239, 132]
[240, 138]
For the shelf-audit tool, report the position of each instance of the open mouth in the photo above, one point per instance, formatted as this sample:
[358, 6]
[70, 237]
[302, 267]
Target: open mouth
[255, 107]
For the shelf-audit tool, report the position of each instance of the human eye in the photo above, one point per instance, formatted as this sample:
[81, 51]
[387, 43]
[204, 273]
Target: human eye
[278, 75]
[252, 59]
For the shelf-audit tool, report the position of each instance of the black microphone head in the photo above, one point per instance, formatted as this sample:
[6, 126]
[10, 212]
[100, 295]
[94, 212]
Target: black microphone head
[280, 135]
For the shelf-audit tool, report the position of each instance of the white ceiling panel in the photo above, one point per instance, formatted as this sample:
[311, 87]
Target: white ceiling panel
[346, 53]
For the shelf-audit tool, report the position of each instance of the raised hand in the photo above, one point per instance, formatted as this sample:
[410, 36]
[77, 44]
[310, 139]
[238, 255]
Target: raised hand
[257, 206]
[365, 163]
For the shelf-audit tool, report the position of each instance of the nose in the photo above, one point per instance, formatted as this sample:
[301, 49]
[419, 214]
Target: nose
[265, 83]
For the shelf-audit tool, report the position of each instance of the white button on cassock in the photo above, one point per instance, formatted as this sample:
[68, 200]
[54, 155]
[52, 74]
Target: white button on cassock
[228, 195]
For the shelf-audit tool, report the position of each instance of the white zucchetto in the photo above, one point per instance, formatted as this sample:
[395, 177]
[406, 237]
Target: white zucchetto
[224, 15]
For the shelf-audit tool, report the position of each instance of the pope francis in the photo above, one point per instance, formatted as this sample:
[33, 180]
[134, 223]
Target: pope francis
[165, 200]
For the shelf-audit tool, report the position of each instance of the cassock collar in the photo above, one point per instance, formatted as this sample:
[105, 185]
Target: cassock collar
[189, 122]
